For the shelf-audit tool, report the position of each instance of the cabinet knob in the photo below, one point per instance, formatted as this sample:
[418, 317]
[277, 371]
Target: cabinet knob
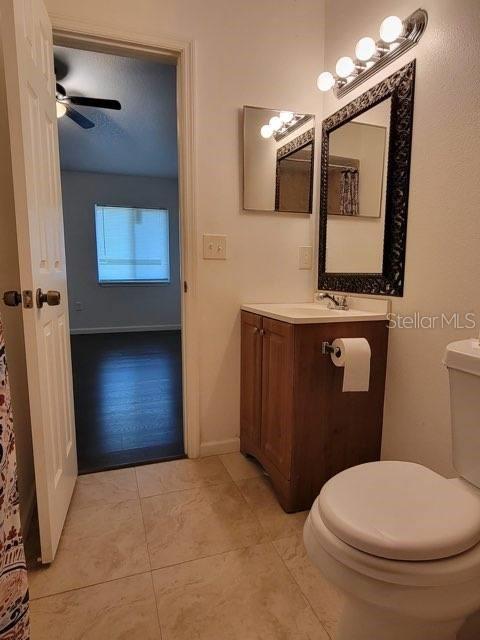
[262, 332]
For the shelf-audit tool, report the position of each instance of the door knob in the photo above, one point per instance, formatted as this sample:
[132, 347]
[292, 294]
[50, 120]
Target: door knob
[52, 298]
[12, 298]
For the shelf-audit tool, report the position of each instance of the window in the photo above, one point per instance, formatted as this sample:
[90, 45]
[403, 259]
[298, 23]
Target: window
[132, 245]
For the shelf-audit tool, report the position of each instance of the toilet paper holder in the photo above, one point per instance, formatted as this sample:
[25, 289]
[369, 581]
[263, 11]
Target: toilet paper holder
[328, 349]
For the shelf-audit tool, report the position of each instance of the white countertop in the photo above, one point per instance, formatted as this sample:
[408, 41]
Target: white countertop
[312, 313]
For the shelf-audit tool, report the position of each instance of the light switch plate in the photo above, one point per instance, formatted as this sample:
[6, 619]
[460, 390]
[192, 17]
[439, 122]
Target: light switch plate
[305, 257]
[214, 247]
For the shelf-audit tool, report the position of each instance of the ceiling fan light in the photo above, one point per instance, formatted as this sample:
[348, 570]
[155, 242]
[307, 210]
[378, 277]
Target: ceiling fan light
[61, 109]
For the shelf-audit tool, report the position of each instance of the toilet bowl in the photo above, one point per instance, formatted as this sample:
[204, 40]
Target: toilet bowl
[401, 542]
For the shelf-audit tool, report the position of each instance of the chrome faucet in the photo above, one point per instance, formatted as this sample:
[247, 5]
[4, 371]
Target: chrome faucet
[336, 302]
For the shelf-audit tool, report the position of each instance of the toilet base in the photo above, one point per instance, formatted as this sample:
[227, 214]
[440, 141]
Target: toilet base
[364, 621]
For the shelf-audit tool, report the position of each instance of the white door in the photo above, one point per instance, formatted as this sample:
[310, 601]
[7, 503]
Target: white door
[28, 54]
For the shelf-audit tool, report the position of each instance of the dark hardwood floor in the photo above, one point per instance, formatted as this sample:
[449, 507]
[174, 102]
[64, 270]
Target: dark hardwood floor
[128, 398]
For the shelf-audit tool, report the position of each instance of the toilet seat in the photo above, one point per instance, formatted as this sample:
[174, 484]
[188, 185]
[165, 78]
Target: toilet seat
[400, 511]
[430, 573]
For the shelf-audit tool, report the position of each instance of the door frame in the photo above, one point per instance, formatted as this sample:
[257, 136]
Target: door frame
[81, 35]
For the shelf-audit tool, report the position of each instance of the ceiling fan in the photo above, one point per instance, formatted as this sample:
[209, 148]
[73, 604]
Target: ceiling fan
[65, 101]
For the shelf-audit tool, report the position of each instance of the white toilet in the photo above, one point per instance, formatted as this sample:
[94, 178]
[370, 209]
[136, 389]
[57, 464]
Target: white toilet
[401, 542]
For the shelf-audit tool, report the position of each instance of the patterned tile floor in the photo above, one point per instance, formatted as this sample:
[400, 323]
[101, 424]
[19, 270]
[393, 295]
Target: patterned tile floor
[181, 550]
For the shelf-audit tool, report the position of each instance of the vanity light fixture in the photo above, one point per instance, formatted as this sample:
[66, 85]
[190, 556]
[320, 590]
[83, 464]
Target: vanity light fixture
[286, 116]
[365, 49]
[345, 67]
[266, 131]
[276, 123]
[286, 121]
[396, 37]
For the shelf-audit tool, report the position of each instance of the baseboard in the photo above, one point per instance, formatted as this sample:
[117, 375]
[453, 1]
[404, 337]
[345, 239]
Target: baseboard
[27, 508]
[217, 447]
[129, 329]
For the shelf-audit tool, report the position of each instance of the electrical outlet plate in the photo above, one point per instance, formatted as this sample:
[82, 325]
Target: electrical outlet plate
[214, 247]
[305, 257]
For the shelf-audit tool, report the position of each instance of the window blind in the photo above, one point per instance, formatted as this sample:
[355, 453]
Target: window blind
[132, 244]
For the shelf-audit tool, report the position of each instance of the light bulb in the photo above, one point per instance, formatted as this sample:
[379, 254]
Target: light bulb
[391, 29]
[266, 131]
[61, 109]
[286, 116]
[344, 67]
[365, 48]
[276, 123]
[325, 81]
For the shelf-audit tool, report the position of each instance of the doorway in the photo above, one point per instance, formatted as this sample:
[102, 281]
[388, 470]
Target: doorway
[117, 126]
[30, 85]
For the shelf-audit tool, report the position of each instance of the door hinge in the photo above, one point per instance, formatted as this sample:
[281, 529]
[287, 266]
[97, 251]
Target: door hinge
[185, 286]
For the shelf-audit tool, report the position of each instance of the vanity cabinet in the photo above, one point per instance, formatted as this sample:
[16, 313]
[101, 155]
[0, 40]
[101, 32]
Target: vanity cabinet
[295, 419]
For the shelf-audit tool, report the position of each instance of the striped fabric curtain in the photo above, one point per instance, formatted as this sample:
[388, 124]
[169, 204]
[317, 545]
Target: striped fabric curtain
[14, 618]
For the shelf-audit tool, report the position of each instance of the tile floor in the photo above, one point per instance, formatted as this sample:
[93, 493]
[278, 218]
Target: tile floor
[182, 550]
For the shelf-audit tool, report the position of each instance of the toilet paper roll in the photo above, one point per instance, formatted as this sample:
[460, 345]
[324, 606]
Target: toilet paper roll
[353, 354]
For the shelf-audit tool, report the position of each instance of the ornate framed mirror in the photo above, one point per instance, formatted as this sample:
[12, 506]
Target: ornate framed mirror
[365, 174]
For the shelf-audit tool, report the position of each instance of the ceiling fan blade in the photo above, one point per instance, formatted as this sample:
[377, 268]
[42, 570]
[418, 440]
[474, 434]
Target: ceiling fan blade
[100, 103]
[77, 117]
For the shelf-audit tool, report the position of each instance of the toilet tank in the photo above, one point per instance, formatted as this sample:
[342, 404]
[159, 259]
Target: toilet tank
[462, 359]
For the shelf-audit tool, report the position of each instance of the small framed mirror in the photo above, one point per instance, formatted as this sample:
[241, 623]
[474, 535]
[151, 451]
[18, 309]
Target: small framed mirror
[278, 160]
[364, 189]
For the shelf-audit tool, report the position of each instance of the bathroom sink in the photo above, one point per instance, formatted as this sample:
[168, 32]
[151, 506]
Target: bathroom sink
[311, 312]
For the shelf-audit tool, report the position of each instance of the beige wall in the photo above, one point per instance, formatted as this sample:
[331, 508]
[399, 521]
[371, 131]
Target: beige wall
[12, 319]
[269, 53]
[443, 265]
[259, 162]
[259, 53]
[355, 243]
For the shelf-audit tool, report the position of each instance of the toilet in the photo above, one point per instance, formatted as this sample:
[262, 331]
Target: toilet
[401, 542]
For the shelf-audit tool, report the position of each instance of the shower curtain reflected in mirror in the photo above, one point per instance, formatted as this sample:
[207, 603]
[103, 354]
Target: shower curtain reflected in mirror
[349, 205]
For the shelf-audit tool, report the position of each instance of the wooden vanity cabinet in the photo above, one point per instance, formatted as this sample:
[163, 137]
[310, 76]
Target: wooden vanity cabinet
[294, 417]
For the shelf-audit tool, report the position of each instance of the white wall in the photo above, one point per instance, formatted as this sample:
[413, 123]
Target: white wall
[257, 53]
[116, 307]
[442, 262]
[12, 321]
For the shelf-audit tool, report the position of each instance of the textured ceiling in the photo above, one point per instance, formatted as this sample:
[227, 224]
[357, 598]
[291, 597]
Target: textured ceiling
[141, 139]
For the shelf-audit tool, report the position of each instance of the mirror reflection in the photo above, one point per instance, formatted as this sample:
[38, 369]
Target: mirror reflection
[278, 160]
[357, 183]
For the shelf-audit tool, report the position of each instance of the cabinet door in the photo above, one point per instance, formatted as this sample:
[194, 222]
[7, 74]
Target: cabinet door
[277, 393]
[251, 380]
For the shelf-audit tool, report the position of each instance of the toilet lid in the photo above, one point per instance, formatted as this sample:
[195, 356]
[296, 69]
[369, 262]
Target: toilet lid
[401, 511]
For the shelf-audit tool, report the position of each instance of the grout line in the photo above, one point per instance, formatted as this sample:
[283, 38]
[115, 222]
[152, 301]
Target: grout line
[144, 526]
[225, 466]
[212, 555]
[156, 605]
[87, 586]
[304, 596]
[195, 488]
